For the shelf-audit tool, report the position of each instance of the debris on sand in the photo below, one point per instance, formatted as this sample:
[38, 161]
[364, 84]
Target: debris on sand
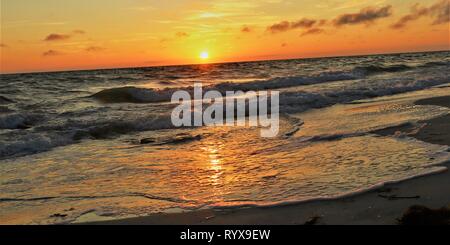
[421, 215]
[313, 220]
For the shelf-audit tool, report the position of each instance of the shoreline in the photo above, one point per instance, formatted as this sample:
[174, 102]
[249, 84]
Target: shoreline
[384, 205]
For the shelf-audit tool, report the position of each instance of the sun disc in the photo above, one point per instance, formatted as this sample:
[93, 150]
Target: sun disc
[204, 55]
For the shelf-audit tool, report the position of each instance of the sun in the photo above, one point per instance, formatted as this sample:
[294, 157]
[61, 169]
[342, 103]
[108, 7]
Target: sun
[204, 55]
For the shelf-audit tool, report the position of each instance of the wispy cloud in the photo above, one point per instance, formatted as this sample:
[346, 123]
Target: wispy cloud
[51, 52]
[246, 29]
[286, 25]
[439, 11]
[279, 27]
[94, 49]
[303, 23]
[60, 37]
[80, 32]
[56, 37]
[364, 16]
[181, 34]
[2, 45]
[312, 31]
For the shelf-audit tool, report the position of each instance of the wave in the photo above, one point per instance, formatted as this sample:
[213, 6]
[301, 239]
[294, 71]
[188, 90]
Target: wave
[374, 69]
[4, 109]
[16, 121]
[111, 128]
[44, 138]
[175, 140]
[30, 144]
[230, 205]
[5, 100]
[131, 94]
[436, 63]
[292, 102]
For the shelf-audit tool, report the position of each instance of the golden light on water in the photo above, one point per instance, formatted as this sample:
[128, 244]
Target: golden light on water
[215, 162]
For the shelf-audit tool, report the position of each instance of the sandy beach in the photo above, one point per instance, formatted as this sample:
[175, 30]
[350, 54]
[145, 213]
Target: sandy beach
[384, 205]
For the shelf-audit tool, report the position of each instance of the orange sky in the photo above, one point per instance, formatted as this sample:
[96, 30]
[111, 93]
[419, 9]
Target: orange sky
[51, 35]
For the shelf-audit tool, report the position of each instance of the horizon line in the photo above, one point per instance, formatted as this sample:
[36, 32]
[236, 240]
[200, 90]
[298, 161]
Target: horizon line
[218, 63]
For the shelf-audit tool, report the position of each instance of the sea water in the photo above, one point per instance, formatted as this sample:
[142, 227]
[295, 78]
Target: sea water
[101, 143]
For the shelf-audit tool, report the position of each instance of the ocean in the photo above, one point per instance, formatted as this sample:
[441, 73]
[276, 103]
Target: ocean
[99, 144]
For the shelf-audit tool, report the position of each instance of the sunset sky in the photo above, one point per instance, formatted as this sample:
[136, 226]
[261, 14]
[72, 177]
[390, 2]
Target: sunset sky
[48, 35]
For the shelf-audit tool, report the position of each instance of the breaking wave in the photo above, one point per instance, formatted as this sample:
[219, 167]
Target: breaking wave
[44, 138]
[130, 94]
[289, 101]
[374, 69]
[16, 120]
[146, 95]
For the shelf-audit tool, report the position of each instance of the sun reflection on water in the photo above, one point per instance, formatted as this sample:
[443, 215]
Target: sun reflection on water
[214, 163]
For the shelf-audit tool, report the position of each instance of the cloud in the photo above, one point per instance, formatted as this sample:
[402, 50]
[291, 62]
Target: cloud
[311, 26]
[286, 25]
[51, 52]
[94, 49]
[279, 27]
[284, 45]
[56, 37]
[322, 22]
[440, 11]
[182, 34]
[81, 32]
[364, 16]
[303, 23]
[246, 29]
[2, 45]
[59, 37]
[312, 31]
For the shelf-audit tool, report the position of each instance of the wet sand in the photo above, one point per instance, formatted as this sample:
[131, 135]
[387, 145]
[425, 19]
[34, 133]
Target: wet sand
[436, 131]
[382, 206]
